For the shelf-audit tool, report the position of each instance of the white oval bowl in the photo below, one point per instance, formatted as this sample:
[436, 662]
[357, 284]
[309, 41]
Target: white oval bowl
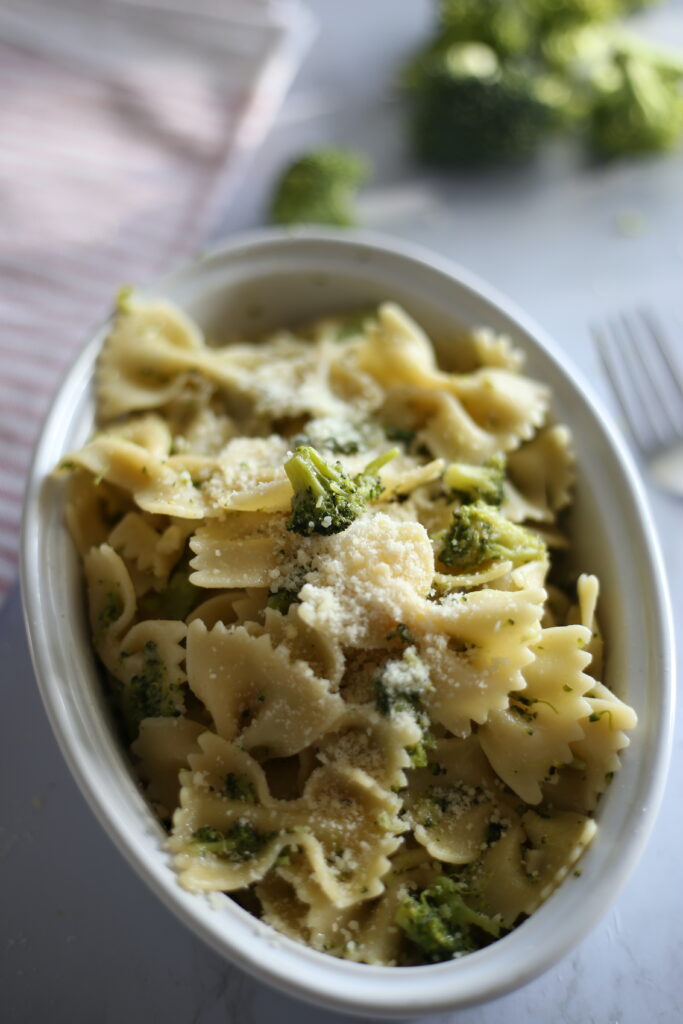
[265, 280]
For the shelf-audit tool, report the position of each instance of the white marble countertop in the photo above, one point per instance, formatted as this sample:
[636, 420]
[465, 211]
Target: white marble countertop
[82, 939]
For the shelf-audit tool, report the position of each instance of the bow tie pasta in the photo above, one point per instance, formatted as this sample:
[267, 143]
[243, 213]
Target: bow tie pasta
[317, 573]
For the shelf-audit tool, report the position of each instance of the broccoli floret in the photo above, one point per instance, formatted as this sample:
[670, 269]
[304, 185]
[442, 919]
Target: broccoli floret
[340, 436]
[326, 499]
[282, 600]
[319, 188]
[400, 687]
[469, 110]
[477, 483]
[178, 598]
[638, 105]
[480, 533]
[238, 787]
[441, 925]
[240, 842]
[150, 694]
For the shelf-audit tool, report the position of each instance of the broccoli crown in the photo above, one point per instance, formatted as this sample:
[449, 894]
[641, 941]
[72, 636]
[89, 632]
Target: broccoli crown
[327, 500]
[480, 533]
[150, 694]
[319, 188]
[477, 483]
[400, 687]
[440, 923]
[638, 108]
[469, 110]
[240, 842]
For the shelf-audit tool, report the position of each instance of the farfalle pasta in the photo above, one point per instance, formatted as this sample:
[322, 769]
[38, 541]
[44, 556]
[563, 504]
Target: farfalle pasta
[321, 582]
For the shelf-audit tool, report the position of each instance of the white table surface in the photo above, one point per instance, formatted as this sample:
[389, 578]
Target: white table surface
[81, 937]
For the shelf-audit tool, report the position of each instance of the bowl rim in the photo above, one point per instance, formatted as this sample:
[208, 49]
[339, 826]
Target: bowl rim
[344, 991]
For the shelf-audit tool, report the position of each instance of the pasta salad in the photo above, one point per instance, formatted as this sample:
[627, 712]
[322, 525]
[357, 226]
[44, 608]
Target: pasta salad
[328, 585]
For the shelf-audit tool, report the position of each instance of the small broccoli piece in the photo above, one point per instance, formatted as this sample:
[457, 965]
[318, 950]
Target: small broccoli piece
[282, 600]
[638, 105]
[480, 533]
[326, 499]
[110, 610]
[399, 688]
[339, 436]
[150, 694]
[240, 842]
[238, 787]
[477, 483]
[441, 925]
[178, 598]
[469, 110]
[319, 188]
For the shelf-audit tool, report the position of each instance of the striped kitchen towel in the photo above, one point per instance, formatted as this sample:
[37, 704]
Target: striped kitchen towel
[123, 130]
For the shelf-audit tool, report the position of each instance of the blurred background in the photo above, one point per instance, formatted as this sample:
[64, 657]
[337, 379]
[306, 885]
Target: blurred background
[535, 142]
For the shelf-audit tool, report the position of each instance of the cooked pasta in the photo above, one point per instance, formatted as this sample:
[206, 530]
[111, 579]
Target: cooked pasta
[321, 583]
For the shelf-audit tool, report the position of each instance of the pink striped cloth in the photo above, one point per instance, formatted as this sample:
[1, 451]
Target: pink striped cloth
[122, 130]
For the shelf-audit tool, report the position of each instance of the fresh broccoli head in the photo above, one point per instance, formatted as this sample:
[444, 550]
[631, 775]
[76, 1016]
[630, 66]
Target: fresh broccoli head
[326, 499]
[441, 925]
[638, 105]
[150, 693]
[319, 188]
[480, 533]
[469, 110]
[477, 483]
[240, 842]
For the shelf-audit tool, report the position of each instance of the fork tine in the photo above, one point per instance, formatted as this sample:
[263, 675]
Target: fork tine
[613, 371]
[674, 390]
[658, 399]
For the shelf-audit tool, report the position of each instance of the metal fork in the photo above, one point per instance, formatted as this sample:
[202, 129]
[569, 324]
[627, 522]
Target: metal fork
[648, 384]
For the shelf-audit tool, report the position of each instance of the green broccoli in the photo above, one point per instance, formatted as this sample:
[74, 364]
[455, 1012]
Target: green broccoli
[178, 598]
[400, 687]
[240, 842]
[339, 435]
[326, 499]
[441, 925]
[237, 786]
[469, 110]
[150, 694]
[282, 600]
[319, 188]
[638, 105]
[480, 533]
[477, 483]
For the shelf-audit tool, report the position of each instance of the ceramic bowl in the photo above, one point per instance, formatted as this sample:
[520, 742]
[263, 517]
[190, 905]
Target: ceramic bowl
[264, 281]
